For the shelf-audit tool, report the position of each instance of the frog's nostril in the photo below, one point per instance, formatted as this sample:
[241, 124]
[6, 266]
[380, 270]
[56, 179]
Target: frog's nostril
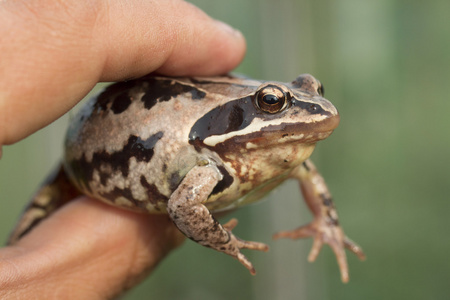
[312, 108]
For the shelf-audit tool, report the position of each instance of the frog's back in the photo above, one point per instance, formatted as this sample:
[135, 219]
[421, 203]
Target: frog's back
[130, 144]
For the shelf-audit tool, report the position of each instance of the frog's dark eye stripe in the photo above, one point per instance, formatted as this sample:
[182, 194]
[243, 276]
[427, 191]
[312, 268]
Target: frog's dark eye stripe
[271, 99]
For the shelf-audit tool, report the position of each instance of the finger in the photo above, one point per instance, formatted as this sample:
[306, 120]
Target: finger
[86, 244]
[57, 50]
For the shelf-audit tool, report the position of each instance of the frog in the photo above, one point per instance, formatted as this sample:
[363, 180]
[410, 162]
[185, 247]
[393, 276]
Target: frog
[195, 147]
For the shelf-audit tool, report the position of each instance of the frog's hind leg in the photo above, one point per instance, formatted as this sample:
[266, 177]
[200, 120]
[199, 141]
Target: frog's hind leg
[55, 191]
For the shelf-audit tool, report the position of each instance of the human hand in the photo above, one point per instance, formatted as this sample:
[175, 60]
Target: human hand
[52, 54]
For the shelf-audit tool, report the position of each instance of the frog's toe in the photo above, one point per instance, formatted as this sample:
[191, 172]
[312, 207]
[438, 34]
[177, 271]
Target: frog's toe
[300, 232]
[326, 233]
[230, 224]
[253, 245]
[246, 263]
[242, 244]
[355, 248]
[234, 245]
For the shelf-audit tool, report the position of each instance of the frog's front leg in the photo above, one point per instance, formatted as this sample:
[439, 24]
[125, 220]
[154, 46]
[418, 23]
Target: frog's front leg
[325, 226]
[187, 211]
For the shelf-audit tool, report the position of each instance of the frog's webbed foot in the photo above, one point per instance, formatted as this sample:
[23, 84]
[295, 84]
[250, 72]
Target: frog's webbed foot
[324, 233]
[235, 244]
[325, 226]
[187, 211]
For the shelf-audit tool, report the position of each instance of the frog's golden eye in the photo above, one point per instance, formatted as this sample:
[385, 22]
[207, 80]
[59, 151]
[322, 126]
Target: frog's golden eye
[271, 99]
[320, 89]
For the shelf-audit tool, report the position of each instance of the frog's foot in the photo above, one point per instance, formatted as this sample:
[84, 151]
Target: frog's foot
[328, 233]
[234, 245]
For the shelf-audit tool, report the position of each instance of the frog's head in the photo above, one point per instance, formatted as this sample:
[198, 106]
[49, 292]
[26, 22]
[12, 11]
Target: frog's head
[274, 114]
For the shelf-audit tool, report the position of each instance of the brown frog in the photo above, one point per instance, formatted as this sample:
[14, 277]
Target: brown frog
[191, 147]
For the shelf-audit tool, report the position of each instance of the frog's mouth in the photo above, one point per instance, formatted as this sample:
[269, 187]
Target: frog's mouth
[307, 132]
[277, 134]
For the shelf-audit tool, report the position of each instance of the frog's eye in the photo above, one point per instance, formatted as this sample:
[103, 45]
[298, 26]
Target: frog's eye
[271, 99]
[320, 90]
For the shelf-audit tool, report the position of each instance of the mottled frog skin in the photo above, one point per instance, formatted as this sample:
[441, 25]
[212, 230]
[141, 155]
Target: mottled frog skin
[190, 147]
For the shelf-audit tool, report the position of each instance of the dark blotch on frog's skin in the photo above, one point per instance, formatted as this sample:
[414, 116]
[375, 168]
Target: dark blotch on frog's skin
[332, 220]
[326, 201]
[120, 94]
[118, 90]
[126, 193]
[154, 194]
[142, 150]
[164, 90]
[121, 103]
[174, 180]
[305, 165]
[226, 182]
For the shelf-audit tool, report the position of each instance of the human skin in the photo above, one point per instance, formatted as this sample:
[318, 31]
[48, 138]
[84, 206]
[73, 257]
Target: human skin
[51, 55]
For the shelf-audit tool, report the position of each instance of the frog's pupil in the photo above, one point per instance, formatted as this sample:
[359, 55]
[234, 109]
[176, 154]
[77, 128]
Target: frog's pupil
[270, 99]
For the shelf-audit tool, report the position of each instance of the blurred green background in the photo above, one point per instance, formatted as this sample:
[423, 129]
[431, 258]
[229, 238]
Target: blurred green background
[385, 65]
